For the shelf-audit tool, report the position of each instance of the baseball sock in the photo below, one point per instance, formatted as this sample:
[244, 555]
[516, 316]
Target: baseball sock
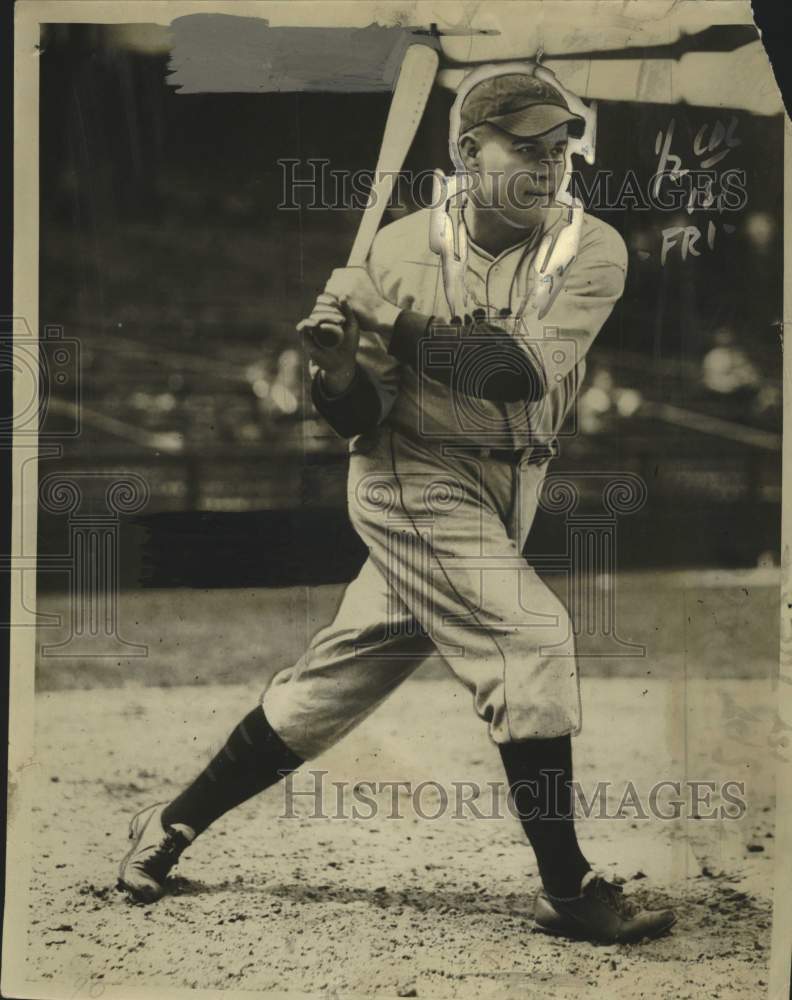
[253, 758]
[539, 773]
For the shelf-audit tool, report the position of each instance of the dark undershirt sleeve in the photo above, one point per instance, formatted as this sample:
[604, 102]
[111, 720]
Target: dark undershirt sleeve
[475, 358]
[356, 410]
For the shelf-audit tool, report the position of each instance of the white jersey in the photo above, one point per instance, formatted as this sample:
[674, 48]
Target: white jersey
[408, 273]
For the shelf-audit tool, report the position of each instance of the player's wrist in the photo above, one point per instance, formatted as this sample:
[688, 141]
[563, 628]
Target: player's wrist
[336, 381]
[385, 318]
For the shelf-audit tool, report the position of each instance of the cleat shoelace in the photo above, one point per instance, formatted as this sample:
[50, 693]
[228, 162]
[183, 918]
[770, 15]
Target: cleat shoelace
[165, 855]
[612, 895]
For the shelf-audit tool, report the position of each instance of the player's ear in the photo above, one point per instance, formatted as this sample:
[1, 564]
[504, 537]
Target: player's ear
[470, 151]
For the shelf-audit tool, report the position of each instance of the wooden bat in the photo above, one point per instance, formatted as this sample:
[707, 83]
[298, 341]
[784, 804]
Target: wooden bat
[410, 94]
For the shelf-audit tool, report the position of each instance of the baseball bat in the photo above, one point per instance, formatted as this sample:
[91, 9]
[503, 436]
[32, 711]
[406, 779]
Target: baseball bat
[410, 94]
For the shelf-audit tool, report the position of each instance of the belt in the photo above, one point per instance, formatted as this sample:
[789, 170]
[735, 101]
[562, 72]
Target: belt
[535, 454]
[513, 455]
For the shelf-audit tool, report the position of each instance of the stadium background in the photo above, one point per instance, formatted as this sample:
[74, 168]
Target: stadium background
[163, 253]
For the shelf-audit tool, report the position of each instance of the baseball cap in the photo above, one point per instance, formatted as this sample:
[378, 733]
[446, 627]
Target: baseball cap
[518, 103]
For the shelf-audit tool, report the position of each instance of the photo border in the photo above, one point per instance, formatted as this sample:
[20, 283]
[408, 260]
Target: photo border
[29, 14]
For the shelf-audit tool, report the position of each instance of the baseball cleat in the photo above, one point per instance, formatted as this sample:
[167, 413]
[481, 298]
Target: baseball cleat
[600, 913]
[154, 851]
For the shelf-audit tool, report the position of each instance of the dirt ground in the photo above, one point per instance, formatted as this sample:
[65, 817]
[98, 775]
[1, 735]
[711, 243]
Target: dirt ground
[404, 906]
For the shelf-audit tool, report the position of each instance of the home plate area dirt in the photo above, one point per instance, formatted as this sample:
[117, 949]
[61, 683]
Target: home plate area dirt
[276, 899]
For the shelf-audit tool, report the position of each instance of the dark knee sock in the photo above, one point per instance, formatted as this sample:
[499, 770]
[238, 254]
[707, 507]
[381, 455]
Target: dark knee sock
[253, 758]
[539, 773]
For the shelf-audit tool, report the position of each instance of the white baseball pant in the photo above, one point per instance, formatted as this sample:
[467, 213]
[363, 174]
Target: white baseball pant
[445, 576]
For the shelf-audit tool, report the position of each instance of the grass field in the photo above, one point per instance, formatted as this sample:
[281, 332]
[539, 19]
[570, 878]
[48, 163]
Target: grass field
[700, 624]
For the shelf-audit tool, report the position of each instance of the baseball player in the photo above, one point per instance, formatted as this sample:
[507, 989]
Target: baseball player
[458, 352]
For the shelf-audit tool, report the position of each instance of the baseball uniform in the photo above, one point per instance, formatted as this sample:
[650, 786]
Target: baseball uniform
[443, 485]
[453, 410]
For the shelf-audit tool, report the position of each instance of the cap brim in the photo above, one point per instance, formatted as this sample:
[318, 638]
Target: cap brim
[538, 119]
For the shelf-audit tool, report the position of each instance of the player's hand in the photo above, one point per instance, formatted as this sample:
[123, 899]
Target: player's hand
[326, 313]
[354, 285]
[337, 360]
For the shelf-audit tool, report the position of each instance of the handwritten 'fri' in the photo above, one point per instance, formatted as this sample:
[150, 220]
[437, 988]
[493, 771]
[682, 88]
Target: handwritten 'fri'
[711, 145]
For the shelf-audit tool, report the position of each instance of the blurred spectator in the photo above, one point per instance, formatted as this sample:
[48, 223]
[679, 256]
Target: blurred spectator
[727, 369]
[258, 377]
[738, 385]
[596, 403]
[768, 406]
[285, 397]
[760, 228]
[603, 403]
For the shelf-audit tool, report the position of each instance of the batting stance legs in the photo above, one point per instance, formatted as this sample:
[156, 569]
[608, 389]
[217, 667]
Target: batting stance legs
[484, 610]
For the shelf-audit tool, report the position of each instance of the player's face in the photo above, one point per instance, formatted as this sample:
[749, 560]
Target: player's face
[514, 174]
